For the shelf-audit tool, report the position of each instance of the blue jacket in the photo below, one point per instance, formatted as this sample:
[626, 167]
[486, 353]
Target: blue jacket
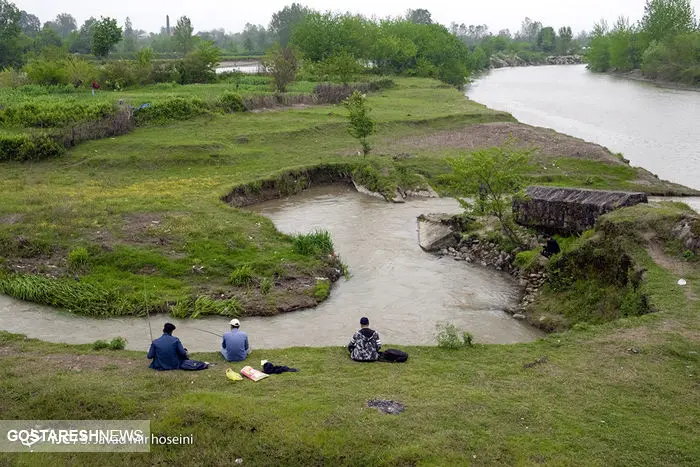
[167, 353]
[234, 346]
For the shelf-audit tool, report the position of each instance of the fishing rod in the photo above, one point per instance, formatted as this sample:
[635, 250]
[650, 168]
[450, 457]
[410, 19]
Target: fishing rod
[148, 316]
[209, 332]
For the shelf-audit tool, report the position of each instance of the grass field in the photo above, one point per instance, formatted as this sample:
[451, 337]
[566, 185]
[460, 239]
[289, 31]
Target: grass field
[146, 209]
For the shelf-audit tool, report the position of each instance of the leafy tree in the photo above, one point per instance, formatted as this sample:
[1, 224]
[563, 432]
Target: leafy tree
[129, 36]
[30, 24]
[493, 177]
[564, 40]
[105, 35]
[667, 18]
[10, 30]
[82, 42]
[64, 24]
[284, 21]
[183, 35]
[419, 16]
[281, 63]
[199, 66]
[529, 30]
[342, 66]
[546, 39]
[361, 126]
[624, 55]
[47, 37]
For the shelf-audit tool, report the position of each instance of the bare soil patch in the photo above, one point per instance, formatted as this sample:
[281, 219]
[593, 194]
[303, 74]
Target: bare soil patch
[675, 265]
[546, 142]
[11, 219]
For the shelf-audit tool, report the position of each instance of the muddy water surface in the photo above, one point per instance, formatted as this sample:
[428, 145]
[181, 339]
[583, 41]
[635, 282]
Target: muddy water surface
[403, 290]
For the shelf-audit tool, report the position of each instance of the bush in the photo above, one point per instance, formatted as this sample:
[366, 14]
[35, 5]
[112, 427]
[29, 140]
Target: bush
[313, 244]
[231, 102]
[12, 78]
[118, 74]
[242, 275]
[99, 345]
[526, 261]
[118, 343]
[47, 72]
[54, 114]
[450, 337]
[175, 108]
[28, 148]
[78, 258]
[677, 59]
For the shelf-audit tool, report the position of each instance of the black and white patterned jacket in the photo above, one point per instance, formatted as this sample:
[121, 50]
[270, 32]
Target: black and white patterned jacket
[364, 345]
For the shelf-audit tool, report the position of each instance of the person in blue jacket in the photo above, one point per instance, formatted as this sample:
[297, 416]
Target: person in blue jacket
[167, 351]
[234, 346]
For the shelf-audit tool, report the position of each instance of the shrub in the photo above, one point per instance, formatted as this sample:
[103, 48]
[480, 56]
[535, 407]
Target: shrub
[12, 78]
[78, 258]
[118, 343]
[242, 275]
[281, 63]
[231, 102]
[527, 260]
[450, 337]
[332, 93]
[47, 72]
[361, 125]
[99, 345]
[28, 148]
[118, 74]
[313, 244]
[54, 114]
[175, 108]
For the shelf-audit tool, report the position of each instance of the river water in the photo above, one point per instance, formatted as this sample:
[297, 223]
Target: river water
[654, 127]
[403, 290]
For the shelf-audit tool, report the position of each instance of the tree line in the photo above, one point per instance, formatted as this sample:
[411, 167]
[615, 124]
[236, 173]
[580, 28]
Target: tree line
[665, 44]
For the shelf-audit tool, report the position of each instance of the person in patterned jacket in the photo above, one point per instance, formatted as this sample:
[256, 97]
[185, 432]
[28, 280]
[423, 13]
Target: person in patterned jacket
[365, 344]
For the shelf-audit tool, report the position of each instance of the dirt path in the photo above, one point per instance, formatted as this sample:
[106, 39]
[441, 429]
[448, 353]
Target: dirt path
[678, 267]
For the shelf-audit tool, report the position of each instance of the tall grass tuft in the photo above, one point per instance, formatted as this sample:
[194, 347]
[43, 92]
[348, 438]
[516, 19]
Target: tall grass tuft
[196, 307]
[242, 275]
[78, 258]
[450, 336]
[316, 243]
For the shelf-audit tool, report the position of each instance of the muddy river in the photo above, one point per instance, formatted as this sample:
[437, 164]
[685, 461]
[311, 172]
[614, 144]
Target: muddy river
[654, 127]
[403, 290]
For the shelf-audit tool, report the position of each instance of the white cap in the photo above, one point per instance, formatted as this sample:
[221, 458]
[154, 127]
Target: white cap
[234, 322]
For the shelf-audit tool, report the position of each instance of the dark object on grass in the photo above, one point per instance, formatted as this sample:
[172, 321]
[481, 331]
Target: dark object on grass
[540, 360]
[551, 248]
[193, 365]
[272, 369]
[393, 356]
[385, 406]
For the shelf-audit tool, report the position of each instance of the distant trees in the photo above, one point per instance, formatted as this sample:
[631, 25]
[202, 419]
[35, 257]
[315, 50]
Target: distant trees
[284, 21]
[665, 44]
[183, 35]
[10, 30]
[30, 24]
[129, 36]
[419, 16]
[105, 35]
[667, 18]
[64, 24]
[564, 40]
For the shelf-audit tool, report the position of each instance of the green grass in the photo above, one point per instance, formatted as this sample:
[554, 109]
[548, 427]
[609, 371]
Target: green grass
[147, 205]
[147, 209]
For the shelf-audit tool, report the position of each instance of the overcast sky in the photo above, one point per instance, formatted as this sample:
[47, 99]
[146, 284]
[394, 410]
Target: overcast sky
[232, 15]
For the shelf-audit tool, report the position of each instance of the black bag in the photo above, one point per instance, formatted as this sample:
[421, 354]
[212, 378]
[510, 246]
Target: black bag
[393, 356]
[193, 365]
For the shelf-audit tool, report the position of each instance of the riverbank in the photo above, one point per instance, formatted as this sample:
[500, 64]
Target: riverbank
[636, 75]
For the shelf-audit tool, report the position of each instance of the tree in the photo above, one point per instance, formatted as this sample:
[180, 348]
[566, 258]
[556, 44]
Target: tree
[82, 42]
[183, 35]
[105, 35]
[129, 36]
[361, 125]
[30, 24]
[529, 30]
[64, 24]
[281, 63]
[284, 21]
[667, 18]
[342, 66]
[199, 66]
[419, 16]
[493, 177]
[546, 39]
[10, 30]
[47, 37]
[564, 40]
